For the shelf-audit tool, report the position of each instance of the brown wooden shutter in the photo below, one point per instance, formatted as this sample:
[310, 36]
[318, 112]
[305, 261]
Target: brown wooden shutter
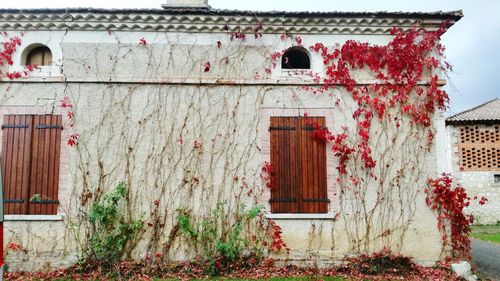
[300, 166]
[45, 163]
[30, 162]
[313, 159]
[16, 154]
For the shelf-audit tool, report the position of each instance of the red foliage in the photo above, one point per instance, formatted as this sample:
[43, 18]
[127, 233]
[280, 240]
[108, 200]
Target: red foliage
[277, 243]
[275, 57]
[298, 40]
[268, 175]
[398, 67]
[197, 144]
[207, 67]
[483, 200]
[9, 47]
[65, 102]
[379, 266]
[14, 246]
[449, 202]
[72, 139]
[70, 113]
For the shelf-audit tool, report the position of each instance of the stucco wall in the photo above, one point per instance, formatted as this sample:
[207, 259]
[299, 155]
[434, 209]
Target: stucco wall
[139, 110]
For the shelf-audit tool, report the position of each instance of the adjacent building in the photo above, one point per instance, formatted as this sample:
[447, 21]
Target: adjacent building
[474, 136]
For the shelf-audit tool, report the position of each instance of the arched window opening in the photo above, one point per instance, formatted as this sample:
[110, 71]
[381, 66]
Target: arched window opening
[40, 55]
[295, 58]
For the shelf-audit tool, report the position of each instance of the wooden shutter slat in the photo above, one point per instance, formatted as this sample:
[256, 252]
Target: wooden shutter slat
[323, 174]
[45, 164]
[17, 169]
[36, 176]
[292, 207]
[303, 154]
[20, 169]
[57, 157]
[274, 162]
[6, 152]
[283, 167]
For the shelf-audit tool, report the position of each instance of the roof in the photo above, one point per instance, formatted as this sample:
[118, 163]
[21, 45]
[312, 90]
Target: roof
[215, 20]
[486, 113]
[451, 15]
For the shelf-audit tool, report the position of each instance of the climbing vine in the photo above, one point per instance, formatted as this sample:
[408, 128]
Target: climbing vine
[449, 200]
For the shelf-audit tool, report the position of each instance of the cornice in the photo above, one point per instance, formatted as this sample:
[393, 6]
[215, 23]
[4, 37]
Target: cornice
[217, 22]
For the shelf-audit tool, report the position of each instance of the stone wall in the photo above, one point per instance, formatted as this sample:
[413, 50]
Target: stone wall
[476, 183]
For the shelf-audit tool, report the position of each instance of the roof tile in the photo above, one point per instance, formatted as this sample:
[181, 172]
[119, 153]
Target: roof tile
[489, 111]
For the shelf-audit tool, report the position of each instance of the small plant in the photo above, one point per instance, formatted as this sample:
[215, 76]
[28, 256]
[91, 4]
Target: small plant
[220, 246]
[112, 231]
[35, 198]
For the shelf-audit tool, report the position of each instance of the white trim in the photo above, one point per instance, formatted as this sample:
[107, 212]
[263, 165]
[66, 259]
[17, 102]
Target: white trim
[325, 216]
[33, 217]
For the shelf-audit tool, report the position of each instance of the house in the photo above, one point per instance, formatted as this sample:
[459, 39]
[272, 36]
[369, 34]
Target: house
[474, 137]
[196, 109]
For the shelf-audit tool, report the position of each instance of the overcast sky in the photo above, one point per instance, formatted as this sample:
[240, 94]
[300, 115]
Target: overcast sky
[473, 44]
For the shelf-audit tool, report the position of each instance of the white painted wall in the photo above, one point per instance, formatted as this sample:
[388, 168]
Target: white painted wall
[133, 103]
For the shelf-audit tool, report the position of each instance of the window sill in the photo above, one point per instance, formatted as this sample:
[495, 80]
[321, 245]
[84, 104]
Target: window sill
[33, 217]
[325, 216]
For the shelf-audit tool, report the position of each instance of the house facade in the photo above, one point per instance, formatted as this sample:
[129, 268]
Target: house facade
[474, 137]
[191, 109]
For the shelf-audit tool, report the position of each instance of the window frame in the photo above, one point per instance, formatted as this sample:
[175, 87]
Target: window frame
[44, 50]
[331, 172]
[46, 128]
[299, 163]
[297, 49]
[52, 72]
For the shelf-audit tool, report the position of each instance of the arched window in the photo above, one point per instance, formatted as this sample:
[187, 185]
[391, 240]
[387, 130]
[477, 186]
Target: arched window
[40, 55]
[295, 58]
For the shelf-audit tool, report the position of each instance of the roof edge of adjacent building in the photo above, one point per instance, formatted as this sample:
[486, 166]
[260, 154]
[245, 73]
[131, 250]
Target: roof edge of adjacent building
[455, 120]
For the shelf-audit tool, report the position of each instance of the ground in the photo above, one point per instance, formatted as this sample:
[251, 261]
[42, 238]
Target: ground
[487, 233]
[486, 250]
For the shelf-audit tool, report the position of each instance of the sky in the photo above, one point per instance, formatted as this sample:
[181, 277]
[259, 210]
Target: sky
[472, 44]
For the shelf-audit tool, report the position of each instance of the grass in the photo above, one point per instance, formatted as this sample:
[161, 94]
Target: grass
[487, 232]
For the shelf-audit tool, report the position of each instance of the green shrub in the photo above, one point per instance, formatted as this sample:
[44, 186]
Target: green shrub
[216, 241]
[112, 231]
